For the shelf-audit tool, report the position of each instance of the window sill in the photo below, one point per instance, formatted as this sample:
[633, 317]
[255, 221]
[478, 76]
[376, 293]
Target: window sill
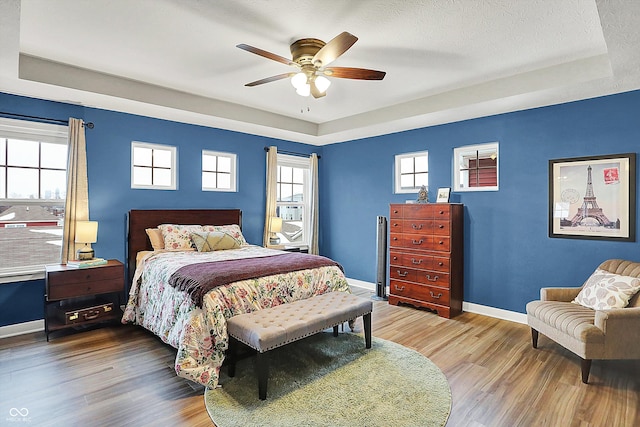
[21, 276]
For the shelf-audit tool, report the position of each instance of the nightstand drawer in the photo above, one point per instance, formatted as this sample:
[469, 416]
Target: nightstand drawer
[79, 289]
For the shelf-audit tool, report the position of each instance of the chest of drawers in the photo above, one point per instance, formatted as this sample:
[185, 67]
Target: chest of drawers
[426, 256]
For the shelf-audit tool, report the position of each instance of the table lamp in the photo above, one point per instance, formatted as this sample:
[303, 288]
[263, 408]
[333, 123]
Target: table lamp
[275, 226]
[86, 232]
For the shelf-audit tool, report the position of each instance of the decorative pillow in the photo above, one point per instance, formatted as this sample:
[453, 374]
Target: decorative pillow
[178, 237]
[233, 230]
[155, 237]
[605, 290]
[207, 241]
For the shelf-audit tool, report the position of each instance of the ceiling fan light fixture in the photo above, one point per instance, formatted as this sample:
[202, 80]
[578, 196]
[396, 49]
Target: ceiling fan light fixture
[322, 83]
[304, 90]
[299, 80]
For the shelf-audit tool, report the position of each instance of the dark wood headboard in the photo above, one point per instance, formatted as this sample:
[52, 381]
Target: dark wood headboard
[139, 220]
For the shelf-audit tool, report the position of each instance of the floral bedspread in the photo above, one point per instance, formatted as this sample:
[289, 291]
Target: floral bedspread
[200, 334]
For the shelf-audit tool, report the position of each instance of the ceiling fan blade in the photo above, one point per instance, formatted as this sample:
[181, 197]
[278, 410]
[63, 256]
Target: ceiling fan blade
[354, 73]
[332, 50]
[315, 91]
[266, 54]
[270, 79]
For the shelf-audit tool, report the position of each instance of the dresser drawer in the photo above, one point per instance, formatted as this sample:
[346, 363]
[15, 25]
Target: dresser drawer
[420, 242]
[402, 273]
[396, 211]
[433, 278]
[419, 292]
[411, 260]
[430, 211]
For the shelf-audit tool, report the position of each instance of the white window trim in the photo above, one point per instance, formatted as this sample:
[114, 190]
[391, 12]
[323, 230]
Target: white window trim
[398, 158]
[233, 157]
[35, 131]
[302, 163]
[174, 162]
[456, 166]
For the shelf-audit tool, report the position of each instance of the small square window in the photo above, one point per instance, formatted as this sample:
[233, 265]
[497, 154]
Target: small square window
[411, 172]
[476, 167]
[153, 166]
[218, 171]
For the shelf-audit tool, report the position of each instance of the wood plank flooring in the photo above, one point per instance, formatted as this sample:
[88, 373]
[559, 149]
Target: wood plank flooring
[118, 375]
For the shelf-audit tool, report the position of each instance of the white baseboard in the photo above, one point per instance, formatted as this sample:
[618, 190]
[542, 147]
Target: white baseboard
[21, 328]
[497, 313]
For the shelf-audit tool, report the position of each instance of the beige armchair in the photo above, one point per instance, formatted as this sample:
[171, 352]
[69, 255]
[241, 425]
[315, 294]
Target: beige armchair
[591, 334]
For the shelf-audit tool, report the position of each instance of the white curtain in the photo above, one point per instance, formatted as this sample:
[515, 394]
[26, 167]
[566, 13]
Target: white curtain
[77, 204]
[313, 238]
[270, 204]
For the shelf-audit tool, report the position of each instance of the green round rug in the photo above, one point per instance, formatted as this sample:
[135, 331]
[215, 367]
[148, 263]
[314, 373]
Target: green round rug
[334, 381]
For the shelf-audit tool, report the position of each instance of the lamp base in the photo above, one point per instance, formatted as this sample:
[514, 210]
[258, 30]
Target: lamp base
[85, 253]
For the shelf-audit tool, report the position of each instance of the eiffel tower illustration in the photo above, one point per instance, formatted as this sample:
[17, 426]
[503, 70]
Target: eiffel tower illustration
[590, 208]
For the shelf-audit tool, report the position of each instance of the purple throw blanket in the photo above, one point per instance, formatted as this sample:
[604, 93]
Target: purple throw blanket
[198, 279]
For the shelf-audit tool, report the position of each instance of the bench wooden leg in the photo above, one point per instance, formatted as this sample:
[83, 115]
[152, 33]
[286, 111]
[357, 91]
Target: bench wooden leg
[366, 320]
[231, 356]
[335, 331]
[263, 374]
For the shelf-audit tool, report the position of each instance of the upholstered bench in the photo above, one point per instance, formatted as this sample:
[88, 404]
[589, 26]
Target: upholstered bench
[266, 329]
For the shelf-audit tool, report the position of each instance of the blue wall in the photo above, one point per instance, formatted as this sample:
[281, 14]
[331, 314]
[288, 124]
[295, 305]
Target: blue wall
[508, 254]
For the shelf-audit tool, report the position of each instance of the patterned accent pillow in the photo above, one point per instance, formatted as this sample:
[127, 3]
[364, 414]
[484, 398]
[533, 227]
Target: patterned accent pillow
[155, 237]
[233, 230]
[208, 241]
[178, 237]
[605, 290]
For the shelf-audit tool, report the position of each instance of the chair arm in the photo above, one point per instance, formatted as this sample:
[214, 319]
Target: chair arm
[623, 321]
[559, 294]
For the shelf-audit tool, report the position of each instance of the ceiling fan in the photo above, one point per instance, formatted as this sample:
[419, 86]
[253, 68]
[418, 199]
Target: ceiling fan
[311, 57]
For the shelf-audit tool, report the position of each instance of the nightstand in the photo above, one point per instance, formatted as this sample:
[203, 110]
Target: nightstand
[82, 296]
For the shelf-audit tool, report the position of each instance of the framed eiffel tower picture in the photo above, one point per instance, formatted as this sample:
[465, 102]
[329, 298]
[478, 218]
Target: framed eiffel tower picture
[593, 197]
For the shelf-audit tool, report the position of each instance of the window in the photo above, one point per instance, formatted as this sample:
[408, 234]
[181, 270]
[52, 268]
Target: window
[218, 171]
[476, 167]
[153, 166]
[411, 172]
[33, 188]
[293, 199]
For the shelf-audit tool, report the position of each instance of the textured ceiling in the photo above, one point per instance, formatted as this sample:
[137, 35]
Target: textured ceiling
[445, 60]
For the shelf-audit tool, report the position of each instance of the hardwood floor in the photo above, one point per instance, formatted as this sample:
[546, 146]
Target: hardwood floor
[119, 375]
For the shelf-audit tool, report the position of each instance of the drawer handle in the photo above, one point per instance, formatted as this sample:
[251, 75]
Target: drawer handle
[395, 258]
[434, 295]
[441, 242]
[440, 264]
[441, 212]
[395, 211]
[416, 262]
[441, 226]
[91, 315]
[417, 242]
[399, 289]
[417, 227]
[401, 274]
[395, 238]
[395, 224]
[434, 279]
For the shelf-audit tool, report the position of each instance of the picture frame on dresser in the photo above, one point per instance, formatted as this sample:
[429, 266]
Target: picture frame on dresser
[593, 197]
[443, 195]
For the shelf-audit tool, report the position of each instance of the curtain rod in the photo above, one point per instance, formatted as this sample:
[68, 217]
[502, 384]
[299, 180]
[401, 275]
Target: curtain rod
[291, 153]
[47, 119]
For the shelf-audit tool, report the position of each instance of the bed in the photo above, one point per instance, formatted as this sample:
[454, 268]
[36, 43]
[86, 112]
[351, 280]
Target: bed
[163, 298]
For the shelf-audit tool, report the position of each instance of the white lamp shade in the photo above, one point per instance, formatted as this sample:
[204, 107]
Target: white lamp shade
[86, 231]
[322, 83]
[304, 90]
[275, 224]
[299, 80]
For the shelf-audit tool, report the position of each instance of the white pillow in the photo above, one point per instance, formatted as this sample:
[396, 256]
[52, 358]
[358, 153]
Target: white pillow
[605, 290]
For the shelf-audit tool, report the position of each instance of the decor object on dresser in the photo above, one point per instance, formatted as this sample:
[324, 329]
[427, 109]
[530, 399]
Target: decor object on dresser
[275, 226]
[426, 256]
[610, 331]
[86, 232]
[82, 296]
[387, 385]
[443, 195]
